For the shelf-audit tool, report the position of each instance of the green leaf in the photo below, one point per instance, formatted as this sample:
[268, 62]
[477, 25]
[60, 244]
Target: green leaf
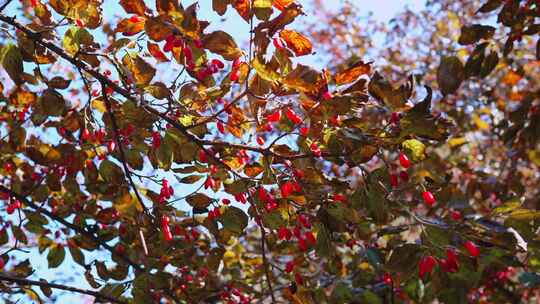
[450, 74]
[75, 37]
[404, 259]
[234, 220]
[324, 244]
[199, 200]
[12, 61]
[264, 70]
[508, 206]
[19, 234]
[415, 149]
[77, 255]
[111, 172]
[56, 256]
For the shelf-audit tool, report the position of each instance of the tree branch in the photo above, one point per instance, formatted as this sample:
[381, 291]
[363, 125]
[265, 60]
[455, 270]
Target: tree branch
[26, 282]
[67, 224]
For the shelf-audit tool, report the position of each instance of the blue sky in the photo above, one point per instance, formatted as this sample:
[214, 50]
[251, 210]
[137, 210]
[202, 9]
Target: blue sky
[383, 10]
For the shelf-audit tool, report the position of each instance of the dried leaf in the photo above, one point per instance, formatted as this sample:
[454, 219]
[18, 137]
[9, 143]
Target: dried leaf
[134, 6]
[297, 42]
[352, 73]
[221, 43]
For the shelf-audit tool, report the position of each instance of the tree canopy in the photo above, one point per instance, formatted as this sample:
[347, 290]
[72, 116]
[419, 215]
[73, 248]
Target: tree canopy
[169, 163]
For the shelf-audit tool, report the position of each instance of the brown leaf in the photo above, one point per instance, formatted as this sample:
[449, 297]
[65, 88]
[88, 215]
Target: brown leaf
[450, 74]
[156, 52]
[395, 98]
[142, 71]
[59, 83]
[156, 29]
[221, 43]
[243, 9]
[305, 79]
[297, 42]
[134, 6]
[351, 74]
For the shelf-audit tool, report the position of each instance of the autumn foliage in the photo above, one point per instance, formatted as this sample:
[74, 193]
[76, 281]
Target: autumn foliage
[169, 163]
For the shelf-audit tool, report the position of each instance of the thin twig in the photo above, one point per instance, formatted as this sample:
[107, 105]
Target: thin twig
[27, 282]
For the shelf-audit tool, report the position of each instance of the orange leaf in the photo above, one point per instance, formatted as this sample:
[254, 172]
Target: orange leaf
[154, 50]
[129, 28]
[242, 7]
[134, 6]
[351, 74]
[512, 78]
[281, 4]
[297, 42]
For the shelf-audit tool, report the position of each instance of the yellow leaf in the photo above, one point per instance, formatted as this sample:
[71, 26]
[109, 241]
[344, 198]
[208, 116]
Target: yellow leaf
[99, 105]
[297, 42]
[127, 204]
[415, 149]
[534, 156]
[480, 124]
[141, 70]
[457, 142]
[87, 11]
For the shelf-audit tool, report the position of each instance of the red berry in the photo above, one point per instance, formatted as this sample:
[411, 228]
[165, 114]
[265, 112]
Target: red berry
[310, 238]
[404, 160]
[274, 117]
[455, 215]
[260, 140]
[278, 43]
[286, 189]
[235, 75]
[198, 43]
[2, 263]
[226, 201]
[426, 265]
[387, 279]
[315, 149]
[236, 63]
[298, 279]
[289, 267]
[79, 23]
[327, 95]
[202, 156]
[394, 118]
[218, 63]
[165, 220]
[304, 131]
[85, 134]
[429, 199]
[404, 176]
[394, 180]
[284, 233]
[220, 127]
[111, 146]
[472, 249]
[293, 117]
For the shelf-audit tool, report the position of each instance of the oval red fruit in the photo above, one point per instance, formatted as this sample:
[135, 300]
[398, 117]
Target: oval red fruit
[428, 197]
[472, 249]
[404, 160]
